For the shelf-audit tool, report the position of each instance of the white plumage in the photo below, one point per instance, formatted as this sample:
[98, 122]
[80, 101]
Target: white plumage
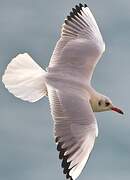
[25, 78]
[67, 83]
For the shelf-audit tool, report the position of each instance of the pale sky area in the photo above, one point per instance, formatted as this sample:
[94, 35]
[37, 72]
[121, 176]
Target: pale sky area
[27, 148]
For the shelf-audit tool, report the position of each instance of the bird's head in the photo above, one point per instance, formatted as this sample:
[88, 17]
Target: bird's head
[103, 103]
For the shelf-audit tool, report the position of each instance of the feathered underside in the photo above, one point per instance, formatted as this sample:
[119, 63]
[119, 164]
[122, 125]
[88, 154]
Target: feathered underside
[75, 128]
[80, 46]
[73, 62]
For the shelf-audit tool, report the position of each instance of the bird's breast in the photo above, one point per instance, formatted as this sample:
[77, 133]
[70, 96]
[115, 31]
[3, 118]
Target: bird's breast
[63, 80]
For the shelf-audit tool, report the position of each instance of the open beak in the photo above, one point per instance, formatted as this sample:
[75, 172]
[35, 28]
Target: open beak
[117, 110]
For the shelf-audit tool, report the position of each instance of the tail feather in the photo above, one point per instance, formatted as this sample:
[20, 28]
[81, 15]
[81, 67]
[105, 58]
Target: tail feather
[24, 78]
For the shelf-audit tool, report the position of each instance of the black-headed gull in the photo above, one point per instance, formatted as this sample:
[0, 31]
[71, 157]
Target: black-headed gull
[67, 83]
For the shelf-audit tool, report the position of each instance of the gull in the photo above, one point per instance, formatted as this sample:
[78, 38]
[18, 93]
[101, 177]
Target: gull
[67, 84]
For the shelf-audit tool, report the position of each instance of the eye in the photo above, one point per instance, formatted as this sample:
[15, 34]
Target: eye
[107, 103]
[100, 103]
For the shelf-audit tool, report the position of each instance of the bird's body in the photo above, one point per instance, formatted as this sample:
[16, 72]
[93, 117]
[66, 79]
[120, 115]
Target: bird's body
[67, 83]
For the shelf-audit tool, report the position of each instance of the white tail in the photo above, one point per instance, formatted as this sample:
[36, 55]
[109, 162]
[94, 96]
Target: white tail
[24, 78]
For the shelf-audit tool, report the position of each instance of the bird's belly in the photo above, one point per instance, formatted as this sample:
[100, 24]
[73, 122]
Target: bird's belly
[65, 81]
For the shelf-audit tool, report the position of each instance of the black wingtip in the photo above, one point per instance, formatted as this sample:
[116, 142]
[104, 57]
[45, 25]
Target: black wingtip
[61, 154]
[78, 9]
[57, 139]
[85, 5]
[65, 165]
[81, 5]
[69, 18]
[72, 15]
[59, 146]
[66, 22]
[68, 177]
[75, 12]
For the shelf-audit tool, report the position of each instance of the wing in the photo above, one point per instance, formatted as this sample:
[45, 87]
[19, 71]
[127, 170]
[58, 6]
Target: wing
[81, 44]
[75, 129]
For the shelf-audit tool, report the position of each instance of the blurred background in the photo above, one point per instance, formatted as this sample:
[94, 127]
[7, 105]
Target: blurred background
[27, 149]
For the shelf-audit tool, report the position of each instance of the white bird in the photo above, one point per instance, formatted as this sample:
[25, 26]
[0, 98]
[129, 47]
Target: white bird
[67, 83]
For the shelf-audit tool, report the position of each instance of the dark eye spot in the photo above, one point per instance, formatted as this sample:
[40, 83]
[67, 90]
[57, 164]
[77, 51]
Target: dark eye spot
[107, 103]
[100, 103]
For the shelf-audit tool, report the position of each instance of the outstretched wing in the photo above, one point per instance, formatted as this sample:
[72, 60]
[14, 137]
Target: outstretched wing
[75, 129]
[81, 44]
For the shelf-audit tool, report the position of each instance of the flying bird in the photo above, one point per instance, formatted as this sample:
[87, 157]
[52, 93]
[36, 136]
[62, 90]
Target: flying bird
[67, 84]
